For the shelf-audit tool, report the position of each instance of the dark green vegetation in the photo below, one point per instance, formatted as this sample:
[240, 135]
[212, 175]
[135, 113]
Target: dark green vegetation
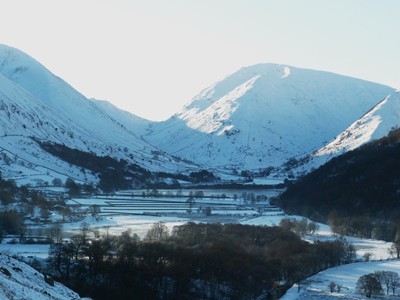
[357, 193]
[195, 261]
[119, 174]
[113, 174]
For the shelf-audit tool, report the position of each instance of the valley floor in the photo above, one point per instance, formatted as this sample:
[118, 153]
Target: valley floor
[121, 212]
[128, 211]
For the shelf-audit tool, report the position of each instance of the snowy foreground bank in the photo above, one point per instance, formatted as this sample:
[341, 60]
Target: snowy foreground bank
[20, 281]
[316, 287]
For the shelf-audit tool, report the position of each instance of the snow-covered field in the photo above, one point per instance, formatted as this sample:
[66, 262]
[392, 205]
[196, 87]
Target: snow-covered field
[316, 287]
[378, 249]
[130, 210]
[25, 250]
[120, 223]
[124, 211]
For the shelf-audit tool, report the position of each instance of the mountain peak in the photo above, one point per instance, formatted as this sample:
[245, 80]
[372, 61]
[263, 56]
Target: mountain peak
[265, 114]
[226, 85]
[269, 69]
[36, 104]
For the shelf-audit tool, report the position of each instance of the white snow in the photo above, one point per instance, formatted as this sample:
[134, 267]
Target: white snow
[21, 282]
[286, 72]
[216, 115]
[25, 250]
[375, 124]
[119, 223]
[258, 117]
[36, 103]
[264, 115]
[378, 249]
[316, 287]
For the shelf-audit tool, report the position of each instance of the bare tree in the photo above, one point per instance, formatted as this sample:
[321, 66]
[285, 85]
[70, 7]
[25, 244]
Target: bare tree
[312, 227]
[389, 279]
[158, 232]
[95, 211]
[395, 249]
[332, 286]
[369, 285]
[55, 233]
[367, 256]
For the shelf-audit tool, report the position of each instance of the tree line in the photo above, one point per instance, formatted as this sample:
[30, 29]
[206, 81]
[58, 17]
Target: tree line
[357, 193]
[117, 174]
[194, 261]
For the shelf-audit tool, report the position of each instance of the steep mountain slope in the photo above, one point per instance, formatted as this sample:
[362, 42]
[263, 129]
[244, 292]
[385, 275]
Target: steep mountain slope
[36, 103]
[126, 119]
[20, 281]
[264, 115]
[375, 124]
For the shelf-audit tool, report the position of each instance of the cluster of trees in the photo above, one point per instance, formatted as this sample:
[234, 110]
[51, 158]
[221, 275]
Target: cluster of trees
[373, 284]
[333, 287]
[194, 261]
[197, 178]
[76, 189]
[12, 222]
[203, 176]
[114, 174]
[8, 190]
[360, 186]
[19, 204]
[179, 194]
[251, 197]
[117, 174]
[198, 194]
[364, 226]
[299, 227]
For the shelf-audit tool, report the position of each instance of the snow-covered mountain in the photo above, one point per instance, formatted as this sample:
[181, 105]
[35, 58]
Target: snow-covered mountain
[260, 116]
[36, 103]
[20, 281]
[264, 115]
[375, 124]
[126, 119]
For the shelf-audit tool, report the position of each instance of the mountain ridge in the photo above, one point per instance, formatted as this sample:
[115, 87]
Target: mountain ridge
[36, 103]
[264, 115]
[259, 117]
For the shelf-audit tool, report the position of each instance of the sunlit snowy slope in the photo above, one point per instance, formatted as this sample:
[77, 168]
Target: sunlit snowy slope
[36, 103]
[375, 124]
[264, 115]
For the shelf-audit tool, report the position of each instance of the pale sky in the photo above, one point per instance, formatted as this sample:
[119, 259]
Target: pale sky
[150, 57]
